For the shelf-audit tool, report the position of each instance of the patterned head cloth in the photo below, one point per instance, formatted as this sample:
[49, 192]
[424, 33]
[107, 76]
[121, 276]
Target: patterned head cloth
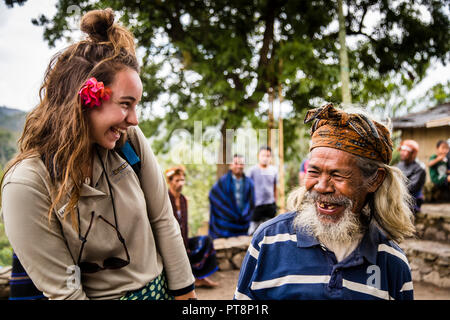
[350, 132]
[177, 170]
[411, 146]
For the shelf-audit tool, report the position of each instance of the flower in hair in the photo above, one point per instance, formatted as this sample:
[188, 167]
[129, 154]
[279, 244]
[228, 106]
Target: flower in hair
[93, 93]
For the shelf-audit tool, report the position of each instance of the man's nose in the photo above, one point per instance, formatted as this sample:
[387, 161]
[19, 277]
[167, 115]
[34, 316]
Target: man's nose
[324, 185]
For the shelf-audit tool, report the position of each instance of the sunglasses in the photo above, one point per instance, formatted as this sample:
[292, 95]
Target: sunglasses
[108, 263]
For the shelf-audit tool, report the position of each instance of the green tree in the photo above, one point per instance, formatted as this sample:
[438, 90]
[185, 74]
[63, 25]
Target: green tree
[215, 61]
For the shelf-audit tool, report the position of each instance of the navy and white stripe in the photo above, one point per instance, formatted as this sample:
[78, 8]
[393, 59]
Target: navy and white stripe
[284, 263]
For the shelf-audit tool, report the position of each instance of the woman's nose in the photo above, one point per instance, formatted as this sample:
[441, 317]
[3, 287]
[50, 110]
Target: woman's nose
[132, 118]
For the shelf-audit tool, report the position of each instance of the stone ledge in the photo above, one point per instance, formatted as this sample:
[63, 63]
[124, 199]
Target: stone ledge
[5, 274]
[230, 252]
[438, 210]
[433, 222]
[429, 261]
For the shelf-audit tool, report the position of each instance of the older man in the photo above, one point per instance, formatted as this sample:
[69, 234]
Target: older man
[413, 170]
[232, 200]
[338, 242]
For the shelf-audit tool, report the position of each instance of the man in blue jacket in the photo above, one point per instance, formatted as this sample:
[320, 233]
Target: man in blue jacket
[232, 200]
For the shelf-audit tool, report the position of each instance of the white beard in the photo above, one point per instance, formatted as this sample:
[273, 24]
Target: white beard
[342, 232]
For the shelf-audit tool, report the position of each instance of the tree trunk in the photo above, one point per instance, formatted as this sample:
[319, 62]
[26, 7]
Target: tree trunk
[345, 78]
[281, 154]
[270, 125]
[222, 166]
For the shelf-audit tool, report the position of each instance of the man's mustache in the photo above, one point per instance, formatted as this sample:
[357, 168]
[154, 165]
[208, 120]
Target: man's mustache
[339, 200]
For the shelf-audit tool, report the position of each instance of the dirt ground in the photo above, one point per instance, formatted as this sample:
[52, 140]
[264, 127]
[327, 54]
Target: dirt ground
[228, 281]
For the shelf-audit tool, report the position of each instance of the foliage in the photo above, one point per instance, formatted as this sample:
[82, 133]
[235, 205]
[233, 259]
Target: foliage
[438, 94]
[7, 146]
[214, 61]
[5, 247]
[11, 123]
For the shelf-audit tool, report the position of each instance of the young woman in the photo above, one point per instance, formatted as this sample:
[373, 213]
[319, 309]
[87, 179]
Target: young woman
[82, 222]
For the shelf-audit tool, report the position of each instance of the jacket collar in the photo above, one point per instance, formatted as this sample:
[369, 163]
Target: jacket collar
[368, 247]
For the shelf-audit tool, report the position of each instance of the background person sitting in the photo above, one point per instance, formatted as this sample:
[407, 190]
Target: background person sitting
[413, 170]
[439, 173]
[200, 250]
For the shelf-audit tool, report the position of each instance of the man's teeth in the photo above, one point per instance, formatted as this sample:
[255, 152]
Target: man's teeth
[326, 206]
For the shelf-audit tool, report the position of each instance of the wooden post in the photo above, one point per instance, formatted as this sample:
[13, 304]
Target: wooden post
[271, 121]
[281, 153]
[345, 71]
[222, 165]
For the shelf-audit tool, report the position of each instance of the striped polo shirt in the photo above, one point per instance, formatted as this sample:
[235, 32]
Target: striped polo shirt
[285, 263]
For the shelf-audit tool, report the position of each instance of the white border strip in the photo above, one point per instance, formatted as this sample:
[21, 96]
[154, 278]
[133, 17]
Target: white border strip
[407, 286]
[398, 254]
[241, 296]
[278, 238]
[253, 252]
[355, 286]
[292, 279]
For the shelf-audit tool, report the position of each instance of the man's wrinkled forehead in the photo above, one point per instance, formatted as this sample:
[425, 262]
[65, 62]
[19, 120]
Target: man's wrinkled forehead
[332, 158]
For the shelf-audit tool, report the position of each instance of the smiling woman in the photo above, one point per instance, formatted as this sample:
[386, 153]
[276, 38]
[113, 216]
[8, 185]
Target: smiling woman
[76, 155]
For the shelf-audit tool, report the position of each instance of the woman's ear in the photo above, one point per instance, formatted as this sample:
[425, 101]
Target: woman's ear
[376, 180]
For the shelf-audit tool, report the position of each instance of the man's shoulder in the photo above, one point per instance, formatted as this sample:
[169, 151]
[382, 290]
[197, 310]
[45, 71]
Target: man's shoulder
[248, 179]
[389, 248]
[420, 165]
[252, 169]
[273, 170]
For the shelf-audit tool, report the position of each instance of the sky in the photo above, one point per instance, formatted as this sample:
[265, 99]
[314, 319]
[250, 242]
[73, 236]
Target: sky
[24, 56]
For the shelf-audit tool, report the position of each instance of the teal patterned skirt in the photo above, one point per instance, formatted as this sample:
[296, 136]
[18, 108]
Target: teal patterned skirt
[156, 289]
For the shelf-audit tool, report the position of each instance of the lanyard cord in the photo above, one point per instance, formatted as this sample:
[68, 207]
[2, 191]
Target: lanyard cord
[110, 192]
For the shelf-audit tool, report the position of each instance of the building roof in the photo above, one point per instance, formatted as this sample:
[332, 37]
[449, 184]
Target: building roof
[437, 116]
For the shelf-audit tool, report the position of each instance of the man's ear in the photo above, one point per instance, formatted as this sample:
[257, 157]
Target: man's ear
[376, 180]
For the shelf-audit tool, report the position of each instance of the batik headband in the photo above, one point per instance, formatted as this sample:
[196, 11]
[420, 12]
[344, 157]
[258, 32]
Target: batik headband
[350, 132]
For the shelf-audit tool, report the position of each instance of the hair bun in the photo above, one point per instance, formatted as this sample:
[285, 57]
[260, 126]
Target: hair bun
[96, 24]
